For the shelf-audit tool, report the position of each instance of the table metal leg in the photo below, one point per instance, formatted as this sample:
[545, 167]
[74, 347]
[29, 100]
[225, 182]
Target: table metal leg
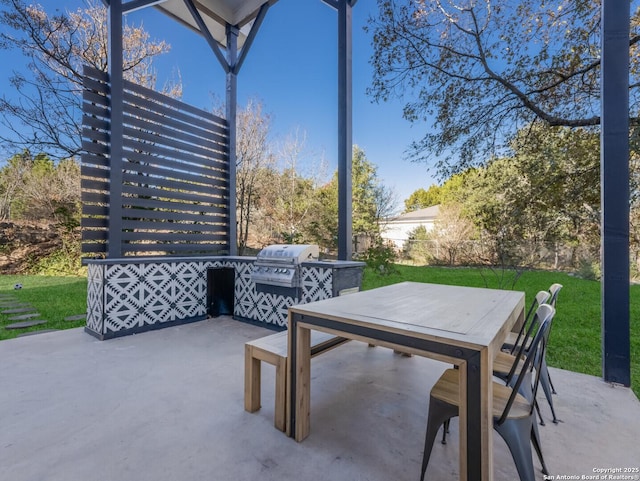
[476, 424]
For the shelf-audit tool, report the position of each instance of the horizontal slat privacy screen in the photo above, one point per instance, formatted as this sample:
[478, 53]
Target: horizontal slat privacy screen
[175, 171]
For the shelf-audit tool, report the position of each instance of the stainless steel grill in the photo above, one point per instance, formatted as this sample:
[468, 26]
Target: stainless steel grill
[279, 264]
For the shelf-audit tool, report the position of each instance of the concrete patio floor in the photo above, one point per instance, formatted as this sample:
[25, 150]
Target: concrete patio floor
[168, 405]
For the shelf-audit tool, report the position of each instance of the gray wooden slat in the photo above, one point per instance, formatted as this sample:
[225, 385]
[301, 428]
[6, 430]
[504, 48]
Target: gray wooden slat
[95, 198]
[95, 110]
[96, 173]
[170, 237]
[148, 105]
[95, 122]
[213, 179]
[94, 103]
[134, 202]
[171, 250]
[173, 226]
[156, 122]
[209, 214]
[156, 140]
[91, 184]
[95, 148]
[95, 161]
[94, 248]
[99, 210]
[210, 142]
[98, 235]
[216, 214]
[163, 184]
[175, 124]
[139, 151]
[169, 194]
[95, 135]
[95, 222]
[94, 85]
[214, 168]
[93, 170]
[162, 99]
[167, 119]
[94, 73]
[175, 237]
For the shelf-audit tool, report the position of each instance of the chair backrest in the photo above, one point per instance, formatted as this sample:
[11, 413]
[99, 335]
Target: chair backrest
[553, 291]
[525, 329]
[522, 344]
[532, 359]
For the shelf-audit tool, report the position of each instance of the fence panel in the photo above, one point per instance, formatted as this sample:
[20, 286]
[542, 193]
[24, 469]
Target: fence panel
[175, 171]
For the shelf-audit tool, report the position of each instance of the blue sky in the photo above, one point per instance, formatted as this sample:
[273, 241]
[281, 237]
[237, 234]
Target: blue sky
[292, 69]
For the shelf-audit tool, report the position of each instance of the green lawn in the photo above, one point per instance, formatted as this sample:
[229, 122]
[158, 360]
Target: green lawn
[575, 342]
[53, 297]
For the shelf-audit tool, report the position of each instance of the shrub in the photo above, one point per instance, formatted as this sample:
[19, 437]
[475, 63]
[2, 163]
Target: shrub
[380, 257]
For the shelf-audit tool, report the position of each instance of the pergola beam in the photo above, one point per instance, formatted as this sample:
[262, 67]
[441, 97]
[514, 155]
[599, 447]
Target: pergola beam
[134, 5]
[115, 66]
[614, 174]
[345, 129]
[251, 37]
[232, 109]
[213, 43]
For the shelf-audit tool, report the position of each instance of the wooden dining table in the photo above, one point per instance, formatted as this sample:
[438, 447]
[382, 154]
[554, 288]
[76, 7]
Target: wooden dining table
[464, 326]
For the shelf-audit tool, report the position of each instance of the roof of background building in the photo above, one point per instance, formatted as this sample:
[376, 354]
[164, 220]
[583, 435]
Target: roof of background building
[428, 213]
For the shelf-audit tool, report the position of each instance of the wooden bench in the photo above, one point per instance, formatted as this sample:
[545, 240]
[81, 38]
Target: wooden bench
[273, 349]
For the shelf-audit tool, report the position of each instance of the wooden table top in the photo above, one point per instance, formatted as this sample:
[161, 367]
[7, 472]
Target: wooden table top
[464, 316]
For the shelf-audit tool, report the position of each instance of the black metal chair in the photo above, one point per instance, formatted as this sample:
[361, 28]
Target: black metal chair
[513, 412]
[504, 362]
[545, 377]
[554, 290]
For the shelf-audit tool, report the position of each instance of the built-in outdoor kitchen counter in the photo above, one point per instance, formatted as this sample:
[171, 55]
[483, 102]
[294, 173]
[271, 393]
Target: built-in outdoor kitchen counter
[132, 295]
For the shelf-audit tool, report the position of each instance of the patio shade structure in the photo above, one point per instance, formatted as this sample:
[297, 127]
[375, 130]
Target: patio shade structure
[230, 27]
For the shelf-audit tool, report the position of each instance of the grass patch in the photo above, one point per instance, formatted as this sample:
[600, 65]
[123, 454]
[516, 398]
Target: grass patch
[576, 339]
[53, 297]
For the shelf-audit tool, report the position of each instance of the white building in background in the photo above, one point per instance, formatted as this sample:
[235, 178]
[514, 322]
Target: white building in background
[397, 230]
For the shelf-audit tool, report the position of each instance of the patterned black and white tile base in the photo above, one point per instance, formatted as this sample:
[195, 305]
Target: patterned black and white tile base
[133, 297]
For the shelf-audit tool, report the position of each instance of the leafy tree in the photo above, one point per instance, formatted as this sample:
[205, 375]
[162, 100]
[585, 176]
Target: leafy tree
[562, 166]
[634, 181]
[547, 192]
[481, 70]
[417, 247]
[364, 183]
[323, 226]
[372, 201]
[421, 198]
[45, 114]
